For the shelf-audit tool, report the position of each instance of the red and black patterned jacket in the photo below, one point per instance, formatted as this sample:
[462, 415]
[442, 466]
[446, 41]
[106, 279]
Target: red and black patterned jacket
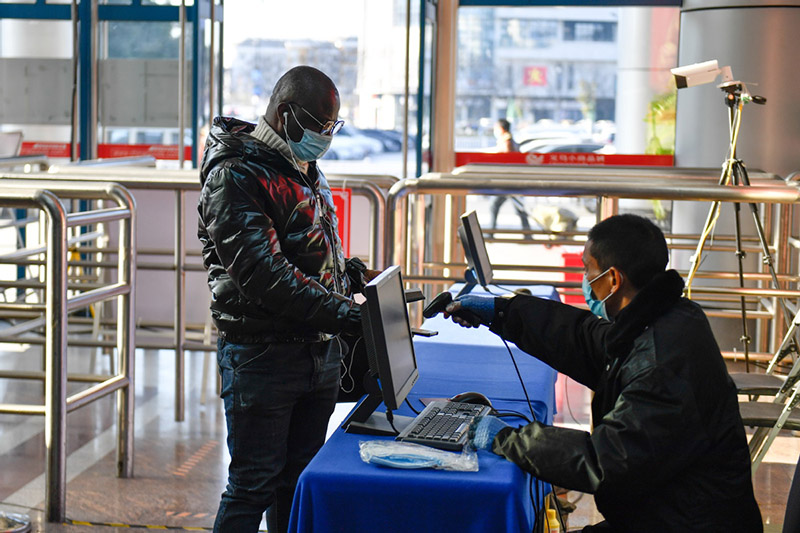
[275, 264]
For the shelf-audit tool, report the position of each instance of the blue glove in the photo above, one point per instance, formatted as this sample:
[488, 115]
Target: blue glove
[473, 309]
[483, 430]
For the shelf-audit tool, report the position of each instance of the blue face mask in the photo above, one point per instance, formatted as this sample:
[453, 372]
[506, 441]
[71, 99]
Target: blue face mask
[311, 146]
[598, 307]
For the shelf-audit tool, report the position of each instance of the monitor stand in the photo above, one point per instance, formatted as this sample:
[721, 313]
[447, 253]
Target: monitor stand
[470, 282]
[364, 420]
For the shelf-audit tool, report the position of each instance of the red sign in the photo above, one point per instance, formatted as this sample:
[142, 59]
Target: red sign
[341, 201]
[572, 259]
[159, 151]
[45, 148]
[556, 158]
[107, 151]
[535, 76]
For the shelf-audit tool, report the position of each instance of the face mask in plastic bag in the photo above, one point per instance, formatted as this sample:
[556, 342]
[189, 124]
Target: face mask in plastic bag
[408, 455]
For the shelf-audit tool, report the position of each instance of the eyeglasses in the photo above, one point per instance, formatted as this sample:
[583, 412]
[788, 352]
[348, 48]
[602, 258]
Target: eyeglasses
[331, 127]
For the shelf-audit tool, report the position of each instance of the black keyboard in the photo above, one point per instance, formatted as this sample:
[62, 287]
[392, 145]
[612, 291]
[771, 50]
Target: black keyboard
[443, 424]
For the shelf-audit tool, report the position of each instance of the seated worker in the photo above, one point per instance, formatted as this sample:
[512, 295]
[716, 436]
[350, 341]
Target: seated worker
[668, 450]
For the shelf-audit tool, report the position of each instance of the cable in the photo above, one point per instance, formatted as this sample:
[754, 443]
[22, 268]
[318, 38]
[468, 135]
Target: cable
[534, 494]
[411, 406]
[516, 414]
[558, 511]
[509, 291]
[390, 419]
[534, 504]
[346, 373]
[569, 407]
[519, 375]
[524, 291]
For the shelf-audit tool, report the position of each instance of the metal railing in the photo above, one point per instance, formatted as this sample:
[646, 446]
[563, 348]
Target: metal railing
[25, 162]
[405, 229]
[46, 196]
[180, 182]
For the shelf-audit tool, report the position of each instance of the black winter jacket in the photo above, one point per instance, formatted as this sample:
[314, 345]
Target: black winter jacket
[275, 264]
[668, 450]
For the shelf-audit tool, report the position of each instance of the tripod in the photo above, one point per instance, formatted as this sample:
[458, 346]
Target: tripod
[734, 172]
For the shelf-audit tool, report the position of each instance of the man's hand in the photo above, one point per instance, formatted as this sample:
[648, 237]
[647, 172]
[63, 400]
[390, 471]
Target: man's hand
[483, 430]
[471, 310]
[369, 275]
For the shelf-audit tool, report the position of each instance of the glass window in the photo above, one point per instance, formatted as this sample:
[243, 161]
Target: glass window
[142, 39]
[567, 74]
[36, 91]
[360, 44]
[589, 31]
[138, 84]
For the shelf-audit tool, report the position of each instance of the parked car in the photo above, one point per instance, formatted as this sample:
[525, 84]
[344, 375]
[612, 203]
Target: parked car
[547, 146]
[344, 147]
[392, 140]
[354, 136]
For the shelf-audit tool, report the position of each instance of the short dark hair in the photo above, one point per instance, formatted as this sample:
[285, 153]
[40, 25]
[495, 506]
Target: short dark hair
[301, 84]
[631, 243]
[503, 123]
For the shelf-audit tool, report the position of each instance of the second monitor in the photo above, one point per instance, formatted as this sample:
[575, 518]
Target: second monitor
[479, 271]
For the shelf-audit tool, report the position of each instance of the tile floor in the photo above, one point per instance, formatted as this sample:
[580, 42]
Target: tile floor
[180, 467]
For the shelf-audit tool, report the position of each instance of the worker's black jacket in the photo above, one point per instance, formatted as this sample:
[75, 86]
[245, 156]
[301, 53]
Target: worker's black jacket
[668, 449]
[275, 264]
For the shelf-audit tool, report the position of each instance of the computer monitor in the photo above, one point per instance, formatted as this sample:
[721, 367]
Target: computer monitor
[390, 352]
[480, 269]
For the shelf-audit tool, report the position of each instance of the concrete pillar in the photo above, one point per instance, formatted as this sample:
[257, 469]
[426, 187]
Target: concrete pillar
[634, 91]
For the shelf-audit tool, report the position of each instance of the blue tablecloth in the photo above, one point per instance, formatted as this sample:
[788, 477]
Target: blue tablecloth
[338, 492]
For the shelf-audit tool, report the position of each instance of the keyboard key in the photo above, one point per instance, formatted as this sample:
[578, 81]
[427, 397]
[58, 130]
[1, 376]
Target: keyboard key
[443, 424]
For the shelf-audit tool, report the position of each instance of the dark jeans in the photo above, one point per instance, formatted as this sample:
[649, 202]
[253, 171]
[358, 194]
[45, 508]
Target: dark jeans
[278, 399]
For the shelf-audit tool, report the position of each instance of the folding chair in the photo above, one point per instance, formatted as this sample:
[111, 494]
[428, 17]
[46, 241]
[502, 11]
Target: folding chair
[781, 413]
[751, 383]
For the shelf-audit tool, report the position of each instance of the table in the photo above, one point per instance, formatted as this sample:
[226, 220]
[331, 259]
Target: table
[338, 492]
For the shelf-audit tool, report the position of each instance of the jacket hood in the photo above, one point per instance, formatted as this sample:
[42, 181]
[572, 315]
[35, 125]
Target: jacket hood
[652, 301]
[230, 138]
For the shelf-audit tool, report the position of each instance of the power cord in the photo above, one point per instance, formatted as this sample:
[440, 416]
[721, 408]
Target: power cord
[521, 381]
[559, 514]
[515, 414]
[411, 406]
[390, 419]
[346, 368]
[534, 488]
[569, 408]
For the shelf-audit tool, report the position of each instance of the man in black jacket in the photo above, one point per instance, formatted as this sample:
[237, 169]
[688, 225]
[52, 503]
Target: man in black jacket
[668, 450]
[281, 290]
